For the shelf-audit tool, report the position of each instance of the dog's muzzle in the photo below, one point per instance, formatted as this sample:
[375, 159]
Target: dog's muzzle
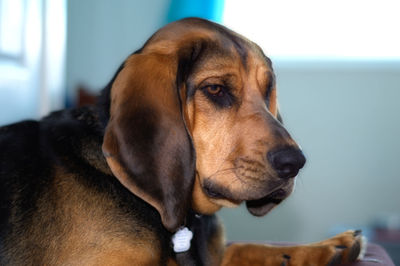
[287, 163]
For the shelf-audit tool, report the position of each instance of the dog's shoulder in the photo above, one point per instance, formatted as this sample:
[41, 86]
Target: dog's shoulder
[18, 139]
[20, 162]
[29, 152]
[35, 153]
[24, 175]
[28, 148]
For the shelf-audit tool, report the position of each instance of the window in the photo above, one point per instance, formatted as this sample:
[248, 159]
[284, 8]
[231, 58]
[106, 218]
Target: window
[319, 28]
[11, 28]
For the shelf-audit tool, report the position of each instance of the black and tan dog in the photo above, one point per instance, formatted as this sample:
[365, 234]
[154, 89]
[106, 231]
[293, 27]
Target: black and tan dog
[189, 124]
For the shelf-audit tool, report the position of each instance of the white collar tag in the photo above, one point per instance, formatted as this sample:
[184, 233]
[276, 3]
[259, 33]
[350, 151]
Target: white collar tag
[181, 240]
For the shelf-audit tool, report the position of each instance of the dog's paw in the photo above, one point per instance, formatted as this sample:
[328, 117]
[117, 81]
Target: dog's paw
[343, 248]
[350, 246]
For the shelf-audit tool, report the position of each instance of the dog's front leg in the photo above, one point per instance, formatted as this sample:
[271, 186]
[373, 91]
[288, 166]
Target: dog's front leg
[346, 247]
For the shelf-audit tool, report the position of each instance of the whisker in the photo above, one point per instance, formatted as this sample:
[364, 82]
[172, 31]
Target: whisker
[225, 160]
[223, 170]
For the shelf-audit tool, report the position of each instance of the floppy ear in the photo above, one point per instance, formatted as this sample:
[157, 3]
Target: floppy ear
[146, 143]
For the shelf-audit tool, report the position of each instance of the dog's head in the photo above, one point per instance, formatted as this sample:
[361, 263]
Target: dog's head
[194, 123]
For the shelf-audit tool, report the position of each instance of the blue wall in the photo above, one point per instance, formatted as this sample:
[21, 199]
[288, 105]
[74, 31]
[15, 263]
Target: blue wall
[102, 33]
[209, 9]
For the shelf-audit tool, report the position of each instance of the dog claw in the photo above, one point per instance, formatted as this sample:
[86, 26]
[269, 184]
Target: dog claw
[354, 251]
[287, 257]
[337, 259]
[357, 232]
[286, 260]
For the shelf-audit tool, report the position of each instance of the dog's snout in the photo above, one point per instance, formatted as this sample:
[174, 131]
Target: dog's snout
[287, 162]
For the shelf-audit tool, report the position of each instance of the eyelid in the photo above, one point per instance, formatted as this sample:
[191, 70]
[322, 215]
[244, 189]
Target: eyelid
[211, 85]
[211, 82]
[222, 80]
[214, 86]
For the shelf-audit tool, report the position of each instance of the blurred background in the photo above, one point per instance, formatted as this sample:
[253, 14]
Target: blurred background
[338, 74]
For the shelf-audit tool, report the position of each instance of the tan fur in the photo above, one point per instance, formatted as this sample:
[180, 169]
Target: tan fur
[221, 137]
[87, 233]
[89, 237]
[201, 203]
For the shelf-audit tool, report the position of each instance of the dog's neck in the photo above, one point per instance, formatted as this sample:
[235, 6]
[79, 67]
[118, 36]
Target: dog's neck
[90, 144]
[103, 106]
[195, 224]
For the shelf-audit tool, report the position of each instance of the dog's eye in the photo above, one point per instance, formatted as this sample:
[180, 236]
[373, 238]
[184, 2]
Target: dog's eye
[215, 90]
[219, 94]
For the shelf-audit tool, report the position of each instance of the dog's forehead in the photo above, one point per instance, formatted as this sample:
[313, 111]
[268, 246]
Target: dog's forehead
[191, 30]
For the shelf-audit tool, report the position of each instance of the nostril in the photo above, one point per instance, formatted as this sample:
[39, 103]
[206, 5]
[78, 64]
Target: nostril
[287, 162]
[288, 169]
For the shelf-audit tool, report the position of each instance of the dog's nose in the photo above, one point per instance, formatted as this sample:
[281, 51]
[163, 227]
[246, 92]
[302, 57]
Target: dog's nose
[287, 162]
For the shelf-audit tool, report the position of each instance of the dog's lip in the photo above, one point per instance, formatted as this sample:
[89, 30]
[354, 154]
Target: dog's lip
[256, 206]
[261, 207]
[216, 195]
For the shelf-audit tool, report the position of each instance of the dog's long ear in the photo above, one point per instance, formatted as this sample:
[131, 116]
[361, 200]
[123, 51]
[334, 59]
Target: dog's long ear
[146, 143]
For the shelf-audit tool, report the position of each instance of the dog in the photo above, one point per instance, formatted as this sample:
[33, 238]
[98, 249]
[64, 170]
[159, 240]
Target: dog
[189, 124]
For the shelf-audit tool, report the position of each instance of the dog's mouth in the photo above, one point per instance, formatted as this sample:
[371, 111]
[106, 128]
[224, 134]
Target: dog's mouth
[261, 207]
[256, 206]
